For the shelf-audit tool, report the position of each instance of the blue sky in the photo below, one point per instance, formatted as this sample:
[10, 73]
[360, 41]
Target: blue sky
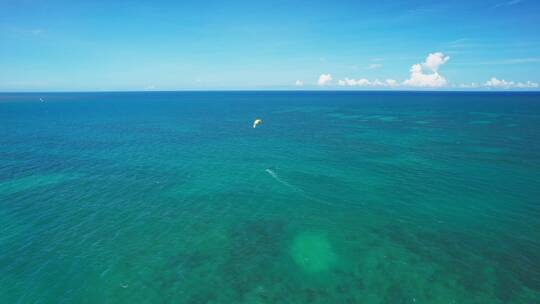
[175, 45]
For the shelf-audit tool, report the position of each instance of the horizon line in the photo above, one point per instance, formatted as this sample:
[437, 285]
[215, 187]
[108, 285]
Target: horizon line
[273, 90]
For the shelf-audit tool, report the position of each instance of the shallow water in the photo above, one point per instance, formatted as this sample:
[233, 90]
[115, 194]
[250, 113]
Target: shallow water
[337, 197]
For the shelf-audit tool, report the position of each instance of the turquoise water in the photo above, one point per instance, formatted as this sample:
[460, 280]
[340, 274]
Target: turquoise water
[336, 198]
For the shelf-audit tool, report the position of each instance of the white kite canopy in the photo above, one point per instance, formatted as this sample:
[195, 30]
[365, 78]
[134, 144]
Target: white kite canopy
[257, 122]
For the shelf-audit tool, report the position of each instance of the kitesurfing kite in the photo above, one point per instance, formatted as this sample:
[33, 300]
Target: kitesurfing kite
[257, 122]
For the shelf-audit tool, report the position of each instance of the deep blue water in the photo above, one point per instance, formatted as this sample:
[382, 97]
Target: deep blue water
[338, 197]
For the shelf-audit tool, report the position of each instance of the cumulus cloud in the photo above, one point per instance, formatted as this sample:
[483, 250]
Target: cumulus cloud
[354, 82]
[324, 79]
[299, 83]
[528, 84]
[426, 74]
[433, 61]
[391, 83]
[363, 82]
[503, 84]
[472, 85]
[495, 83]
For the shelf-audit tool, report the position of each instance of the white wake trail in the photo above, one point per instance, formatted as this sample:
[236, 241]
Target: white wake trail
[294, 188]
[276, 177]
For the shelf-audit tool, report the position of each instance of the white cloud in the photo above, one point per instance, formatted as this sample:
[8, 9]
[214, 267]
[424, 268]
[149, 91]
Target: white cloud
[425, 74]
[503, 84]
[373, 66]
[324, 79]
[299, 83]
[354, 82]
[419, 79]
[391, 83]
[472, 85]
[495, 83]
[377, 83]
[433, 61]
[528, 84]
[363, 82]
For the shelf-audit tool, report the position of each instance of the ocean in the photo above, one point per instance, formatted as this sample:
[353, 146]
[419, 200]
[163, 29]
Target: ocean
[337, 197]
